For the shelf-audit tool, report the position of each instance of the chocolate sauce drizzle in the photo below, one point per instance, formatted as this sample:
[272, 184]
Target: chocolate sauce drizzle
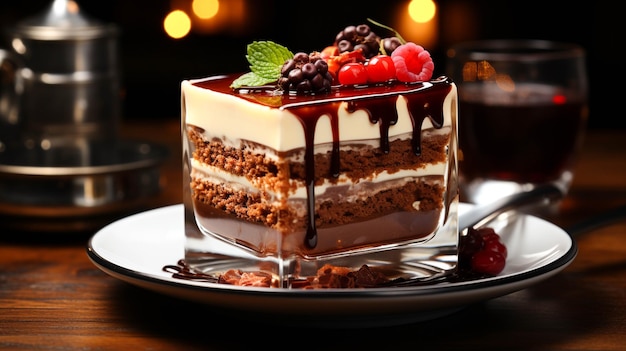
[381, 109]
[181, 270]
[424, 100]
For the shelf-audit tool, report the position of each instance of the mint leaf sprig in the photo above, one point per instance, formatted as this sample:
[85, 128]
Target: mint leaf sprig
[266, 59]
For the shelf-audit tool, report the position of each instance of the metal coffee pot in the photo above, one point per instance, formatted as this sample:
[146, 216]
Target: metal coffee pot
[59, 87]
[62, 165]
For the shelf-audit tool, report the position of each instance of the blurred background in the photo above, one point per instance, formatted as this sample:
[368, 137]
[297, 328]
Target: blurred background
[209, 37]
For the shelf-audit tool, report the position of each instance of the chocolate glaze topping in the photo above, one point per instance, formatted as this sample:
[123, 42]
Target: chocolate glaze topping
[424, 100]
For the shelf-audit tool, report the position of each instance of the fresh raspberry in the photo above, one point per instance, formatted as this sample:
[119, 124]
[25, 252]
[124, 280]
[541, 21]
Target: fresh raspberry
[413, 63]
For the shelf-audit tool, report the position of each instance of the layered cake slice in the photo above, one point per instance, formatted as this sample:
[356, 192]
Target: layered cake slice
[338, 155]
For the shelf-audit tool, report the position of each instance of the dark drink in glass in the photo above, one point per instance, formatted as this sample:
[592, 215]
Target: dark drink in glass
[529, 139]
[522, 115]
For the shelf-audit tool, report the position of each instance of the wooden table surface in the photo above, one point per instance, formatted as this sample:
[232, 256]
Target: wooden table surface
[52, 297]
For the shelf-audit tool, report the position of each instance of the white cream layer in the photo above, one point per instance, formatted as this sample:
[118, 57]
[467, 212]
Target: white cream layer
[225, 115]
[207, 173]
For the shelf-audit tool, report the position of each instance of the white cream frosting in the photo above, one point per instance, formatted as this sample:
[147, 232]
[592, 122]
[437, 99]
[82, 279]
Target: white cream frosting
[224, 116]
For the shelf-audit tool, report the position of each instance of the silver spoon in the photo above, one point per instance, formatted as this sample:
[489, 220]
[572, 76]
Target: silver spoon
[542, 194]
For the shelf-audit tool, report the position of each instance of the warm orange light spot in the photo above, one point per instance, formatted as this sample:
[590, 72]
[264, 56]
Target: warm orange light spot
[205, 9]
[422, 11]
[559, 99]
[177, 24]
[417, 21]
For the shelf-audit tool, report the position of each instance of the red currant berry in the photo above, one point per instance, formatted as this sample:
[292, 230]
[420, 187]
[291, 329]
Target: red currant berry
[495, 246]
[488, 262]
[487, 233]
[380, 69]
[352, 74]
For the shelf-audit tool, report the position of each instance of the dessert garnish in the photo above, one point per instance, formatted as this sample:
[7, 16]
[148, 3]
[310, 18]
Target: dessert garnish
[358, 56]
[265, 58]
[481, 252]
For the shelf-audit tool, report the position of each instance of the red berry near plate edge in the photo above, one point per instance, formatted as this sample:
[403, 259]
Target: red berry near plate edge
[482, 252]
[488, 262]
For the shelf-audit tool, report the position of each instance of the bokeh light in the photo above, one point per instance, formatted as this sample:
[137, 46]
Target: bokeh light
[205, 9]
[177, 24]
[418, 21]
[422, 11]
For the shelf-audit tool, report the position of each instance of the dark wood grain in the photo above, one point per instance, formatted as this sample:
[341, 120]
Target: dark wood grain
[53, 298]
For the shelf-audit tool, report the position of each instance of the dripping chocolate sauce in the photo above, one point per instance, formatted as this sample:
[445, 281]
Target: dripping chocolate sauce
[378, 101]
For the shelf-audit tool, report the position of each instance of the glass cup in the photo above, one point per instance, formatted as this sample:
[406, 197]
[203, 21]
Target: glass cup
[523, 112]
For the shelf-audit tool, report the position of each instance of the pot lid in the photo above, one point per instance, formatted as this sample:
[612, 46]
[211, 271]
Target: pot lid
[62, 20]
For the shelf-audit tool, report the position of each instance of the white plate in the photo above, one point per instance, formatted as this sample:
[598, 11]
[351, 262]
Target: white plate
[136, 248]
